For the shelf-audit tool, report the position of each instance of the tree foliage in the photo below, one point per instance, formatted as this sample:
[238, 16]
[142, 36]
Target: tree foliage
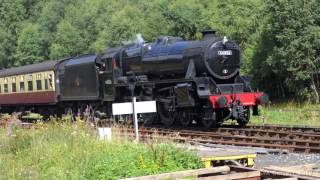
[11, 16]
[288, 52]
[279, 39]
[29, 49]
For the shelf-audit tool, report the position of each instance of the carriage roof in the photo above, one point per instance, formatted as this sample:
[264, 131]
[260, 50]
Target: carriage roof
[30, 68]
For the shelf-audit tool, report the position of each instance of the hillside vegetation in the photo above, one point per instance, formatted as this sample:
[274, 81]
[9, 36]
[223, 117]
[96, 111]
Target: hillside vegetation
[280, 39]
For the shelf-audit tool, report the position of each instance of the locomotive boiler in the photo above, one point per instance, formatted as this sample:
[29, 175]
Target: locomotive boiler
[172, 56]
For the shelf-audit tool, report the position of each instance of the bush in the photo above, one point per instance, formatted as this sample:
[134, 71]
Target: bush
[129, 160]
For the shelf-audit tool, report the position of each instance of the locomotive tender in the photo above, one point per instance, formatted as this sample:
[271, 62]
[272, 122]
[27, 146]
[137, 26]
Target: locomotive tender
[190, 81]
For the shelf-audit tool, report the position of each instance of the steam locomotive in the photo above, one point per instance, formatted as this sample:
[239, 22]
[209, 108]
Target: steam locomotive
[191, 81]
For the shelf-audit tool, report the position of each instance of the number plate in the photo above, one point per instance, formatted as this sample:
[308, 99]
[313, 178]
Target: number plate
[224, 53]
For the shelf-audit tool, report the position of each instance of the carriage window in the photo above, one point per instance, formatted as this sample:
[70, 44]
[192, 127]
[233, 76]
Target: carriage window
[21, 86]
[46, 84]
[39, 85]
[14, 87]
[50, 80]
[5, 88]
[30, 86]
[50, 83]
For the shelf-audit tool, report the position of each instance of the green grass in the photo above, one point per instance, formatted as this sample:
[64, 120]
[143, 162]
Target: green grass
[289, 114]
[61, 151]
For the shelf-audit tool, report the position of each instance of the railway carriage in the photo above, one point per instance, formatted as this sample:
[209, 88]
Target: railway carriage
[28, 85]
[191, 81]
[50, 87]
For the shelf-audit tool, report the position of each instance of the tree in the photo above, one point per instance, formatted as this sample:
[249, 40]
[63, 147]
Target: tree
[7, 47]
[68, 42]
[185, 18]
[239, 21]
[289, 49]
[124, 25]
[29, 49]
[51, 14]
[11, 16]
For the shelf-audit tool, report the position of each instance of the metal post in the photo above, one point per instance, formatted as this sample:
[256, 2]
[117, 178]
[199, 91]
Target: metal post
[135, 118]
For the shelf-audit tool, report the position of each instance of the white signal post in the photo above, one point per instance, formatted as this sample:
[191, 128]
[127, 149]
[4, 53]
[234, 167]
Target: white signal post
[135, 118]
[134, 108]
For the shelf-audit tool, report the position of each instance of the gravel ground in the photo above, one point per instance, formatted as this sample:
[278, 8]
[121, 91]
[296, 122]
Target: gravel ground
[290, 159]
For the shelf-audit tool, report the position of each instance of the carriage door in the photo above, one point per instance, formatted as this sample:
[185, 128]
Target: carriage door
[108, 82]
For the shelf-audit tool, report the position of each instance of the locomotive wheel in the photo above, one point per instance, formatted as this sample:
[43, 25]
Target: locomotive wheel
[246, 118]
[185, 118]
[149, 118]
[209, 118]
[207, 123]
[166, 117]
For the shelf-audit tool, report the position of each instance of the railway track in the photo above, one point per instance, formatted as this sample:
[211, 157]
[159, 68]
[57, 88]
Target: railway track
[302, 129]
[249, 132]
[270, 128]
[294, 139]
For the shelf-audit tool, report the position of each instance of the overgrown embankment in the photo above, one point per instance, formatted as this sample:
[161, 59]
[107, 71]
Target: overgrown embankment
[64, 151]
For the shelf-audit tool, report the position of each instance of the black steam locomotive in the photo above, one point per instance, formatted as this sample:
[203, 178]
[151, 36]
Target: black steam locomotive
[191, 81]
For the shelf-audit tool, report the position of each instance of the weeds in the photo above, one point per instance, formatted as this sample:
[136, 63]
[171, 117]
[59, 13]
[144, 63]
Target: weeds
[63, 151]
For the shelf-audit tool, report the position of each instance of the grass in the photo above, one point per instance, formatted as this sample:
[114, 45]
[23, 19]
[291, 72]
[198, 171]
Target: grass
[64, 151]
[289, 114]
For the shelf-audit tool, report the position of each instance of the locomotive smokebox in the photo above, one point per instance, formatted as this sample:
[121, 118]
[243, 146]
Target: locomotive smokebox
[207, 34]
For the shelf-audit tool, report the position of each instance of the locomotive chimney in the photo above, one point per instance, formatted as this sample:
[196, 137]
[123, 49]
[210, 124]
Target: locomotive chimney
[207, 34]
